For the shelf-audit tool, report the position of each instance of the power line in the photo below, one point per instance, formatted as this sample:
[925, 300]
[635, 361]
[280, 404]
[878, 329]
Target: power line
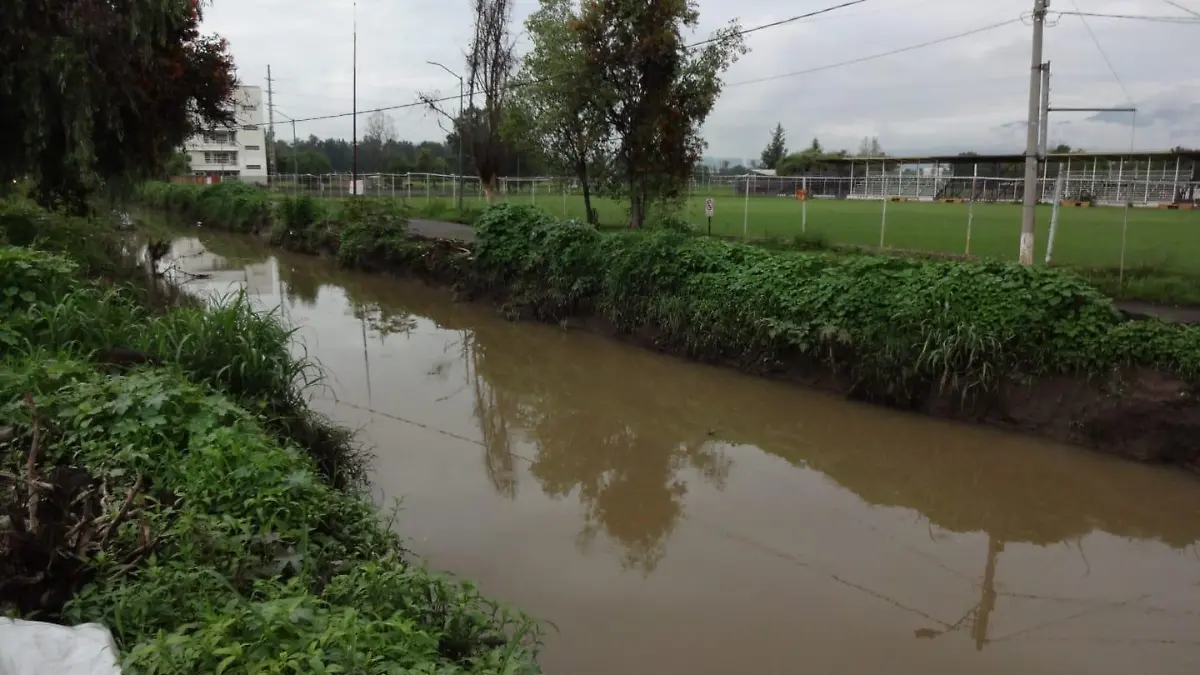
[1104, 55]
[1180, 7]
[517, 85]
[1135, 17]
[871, 57]
[781, 22]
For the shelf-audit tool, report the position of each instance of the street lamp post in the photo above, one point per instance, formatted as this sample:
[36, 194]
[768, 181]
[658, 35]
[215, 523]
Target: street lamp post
[458, 124]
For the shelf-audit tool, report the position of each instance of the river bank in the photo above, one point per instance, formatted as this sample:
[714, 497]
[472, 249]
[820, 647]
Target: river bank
[1028, 349]
[636, 499]
[162, 474]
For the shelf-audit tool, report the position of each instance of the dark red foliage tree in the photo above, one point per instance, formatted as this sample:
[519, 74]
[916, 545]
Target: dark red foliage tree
[96, 94]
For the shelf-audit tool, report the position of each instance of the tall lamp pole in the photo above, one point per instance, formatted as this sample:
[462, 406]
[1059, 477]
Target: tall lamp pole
[458, 124]
[354, 104]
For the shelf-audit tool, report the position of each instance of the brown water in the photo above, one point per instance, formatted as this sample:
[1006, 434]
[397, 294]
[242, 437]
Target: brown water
[673, 518]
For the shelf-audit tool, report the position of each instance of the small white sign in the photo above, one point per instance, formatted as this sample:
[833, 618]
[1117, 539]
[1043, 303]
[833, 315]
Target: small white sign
[709, 207]
[357, 187]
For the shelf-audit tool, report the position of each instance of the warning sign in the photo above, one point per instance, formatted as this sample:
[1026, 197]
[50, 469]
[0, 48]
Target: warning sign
[709, 207]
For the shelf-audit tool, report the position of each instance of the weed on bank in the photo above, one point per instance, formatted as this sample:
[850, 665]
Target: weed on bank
[155, 476]
[897, 328]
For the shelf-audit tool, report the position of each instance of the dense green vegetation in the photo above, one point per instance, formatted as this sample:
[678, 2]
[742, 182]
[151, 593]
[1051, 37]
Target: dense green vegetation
[95, 96]
[160, 473]
[1162, 249]
[896, 327]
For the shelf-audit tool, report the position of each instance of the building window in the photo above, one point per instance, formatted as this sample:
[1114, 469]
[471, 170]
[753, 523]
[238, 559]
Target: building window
[253, 166]
[219, 157]
[252, 147]
[249, 108]
[250, 127]
[218, 136]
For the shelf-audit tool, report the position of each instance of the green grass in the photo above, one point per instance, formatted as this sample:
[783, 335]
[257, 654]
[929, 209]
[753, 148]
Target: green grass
[1087, 237]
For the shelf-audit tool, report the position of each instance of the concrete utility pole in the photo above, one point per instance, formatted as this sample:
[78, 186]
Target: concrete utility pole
[1044, 129]
[270, 126]
[1032, 136]
[354, 104]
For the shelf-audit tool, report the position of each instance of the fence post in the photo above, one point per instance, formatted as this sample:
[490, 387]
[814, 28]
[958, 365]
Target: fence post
[1058, 190]
[746, 211]
[971, 207]
[804, 206]
[1146, 196]
[883, 218]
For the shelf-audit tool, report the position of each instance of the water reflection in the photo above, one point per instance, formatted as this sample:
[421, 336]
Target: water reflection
[732, 498]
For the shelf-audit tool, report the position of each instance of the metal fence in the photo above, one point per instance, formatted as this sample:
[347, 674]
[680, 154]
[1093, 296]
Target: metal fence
[1108, 188]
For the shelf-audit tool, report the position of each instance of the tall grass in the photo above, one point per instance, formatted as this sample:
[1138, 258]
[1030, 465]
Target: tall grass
[231, 205]
[180, 502]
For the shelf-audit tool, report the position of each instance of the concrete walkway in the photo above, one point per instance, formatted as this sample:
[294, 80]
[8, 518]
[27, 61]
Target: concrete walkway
[440, 229]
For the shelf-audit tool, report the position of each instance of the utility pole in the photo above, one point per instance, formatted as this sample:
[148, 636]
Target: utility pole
[354, 98]
[459, 125]
[1044, 129]
[295, 154]
[1032, 136]
[270, 127]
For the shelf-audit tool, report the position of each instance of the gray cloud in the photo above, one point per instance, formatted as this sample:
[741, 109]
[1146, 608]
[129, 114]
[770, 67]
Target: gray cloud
[958, 95]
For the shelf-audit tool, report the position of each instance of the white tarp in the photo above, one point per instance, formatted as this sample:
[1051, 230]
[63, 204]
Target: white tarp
[36, 648]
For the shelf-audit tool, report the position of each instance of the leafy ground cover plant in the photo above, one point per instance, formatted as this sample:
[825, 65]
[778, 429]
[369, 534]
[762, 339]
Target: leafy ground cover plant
[898, 327]
[160, 473]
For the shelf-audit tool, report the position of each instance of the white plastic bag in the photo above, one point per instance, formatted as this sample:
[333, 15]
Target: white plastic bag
[36, 648]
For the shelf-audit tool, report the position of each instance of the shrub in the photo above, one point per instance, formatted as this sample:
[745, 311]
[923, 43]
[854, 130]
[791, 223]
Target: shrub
[229, 205]
[372, 231]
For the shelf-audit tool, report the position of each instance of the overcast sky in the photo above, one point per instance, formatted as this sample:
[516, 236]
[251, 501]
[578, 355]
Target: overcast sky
[965, 94]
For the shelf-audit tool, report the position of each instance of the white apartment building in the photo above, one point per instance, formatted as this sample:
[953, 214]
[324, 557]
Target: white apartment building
[239, 152]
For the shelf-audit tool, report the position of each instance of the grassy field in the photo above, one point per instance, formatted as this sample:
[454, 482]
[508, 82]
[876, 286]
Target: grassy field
[1087, 237]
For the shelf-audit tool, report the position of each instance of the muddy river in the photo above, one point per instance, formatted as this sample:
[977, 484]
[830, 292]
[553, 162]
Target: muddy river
[673, 518]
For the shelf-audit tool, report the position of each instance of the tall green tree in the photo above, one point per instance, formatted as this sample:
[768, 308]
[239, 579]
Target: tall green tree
[653, 90]
[554, 110]
[776, 148]
[490, 63]
[98, 94]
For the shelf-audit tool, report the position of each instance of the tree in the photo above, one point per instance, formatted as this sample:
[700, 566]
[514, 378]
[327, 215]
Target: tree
[424, 163]
[98, 94]
[553, 110]
[380, 129]
[490, 62]
[776, 148]
[869, 147]
[1061, 149]
[178, 164]
[653, 90]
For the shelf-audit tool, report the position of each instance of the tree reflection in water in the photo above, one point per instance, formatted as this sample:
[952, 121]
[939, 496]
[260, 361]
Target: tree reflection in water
[629, 478]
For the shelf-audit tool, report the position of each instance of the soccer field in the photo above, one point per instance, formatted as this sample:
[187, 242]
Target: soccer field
[1162, 239]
